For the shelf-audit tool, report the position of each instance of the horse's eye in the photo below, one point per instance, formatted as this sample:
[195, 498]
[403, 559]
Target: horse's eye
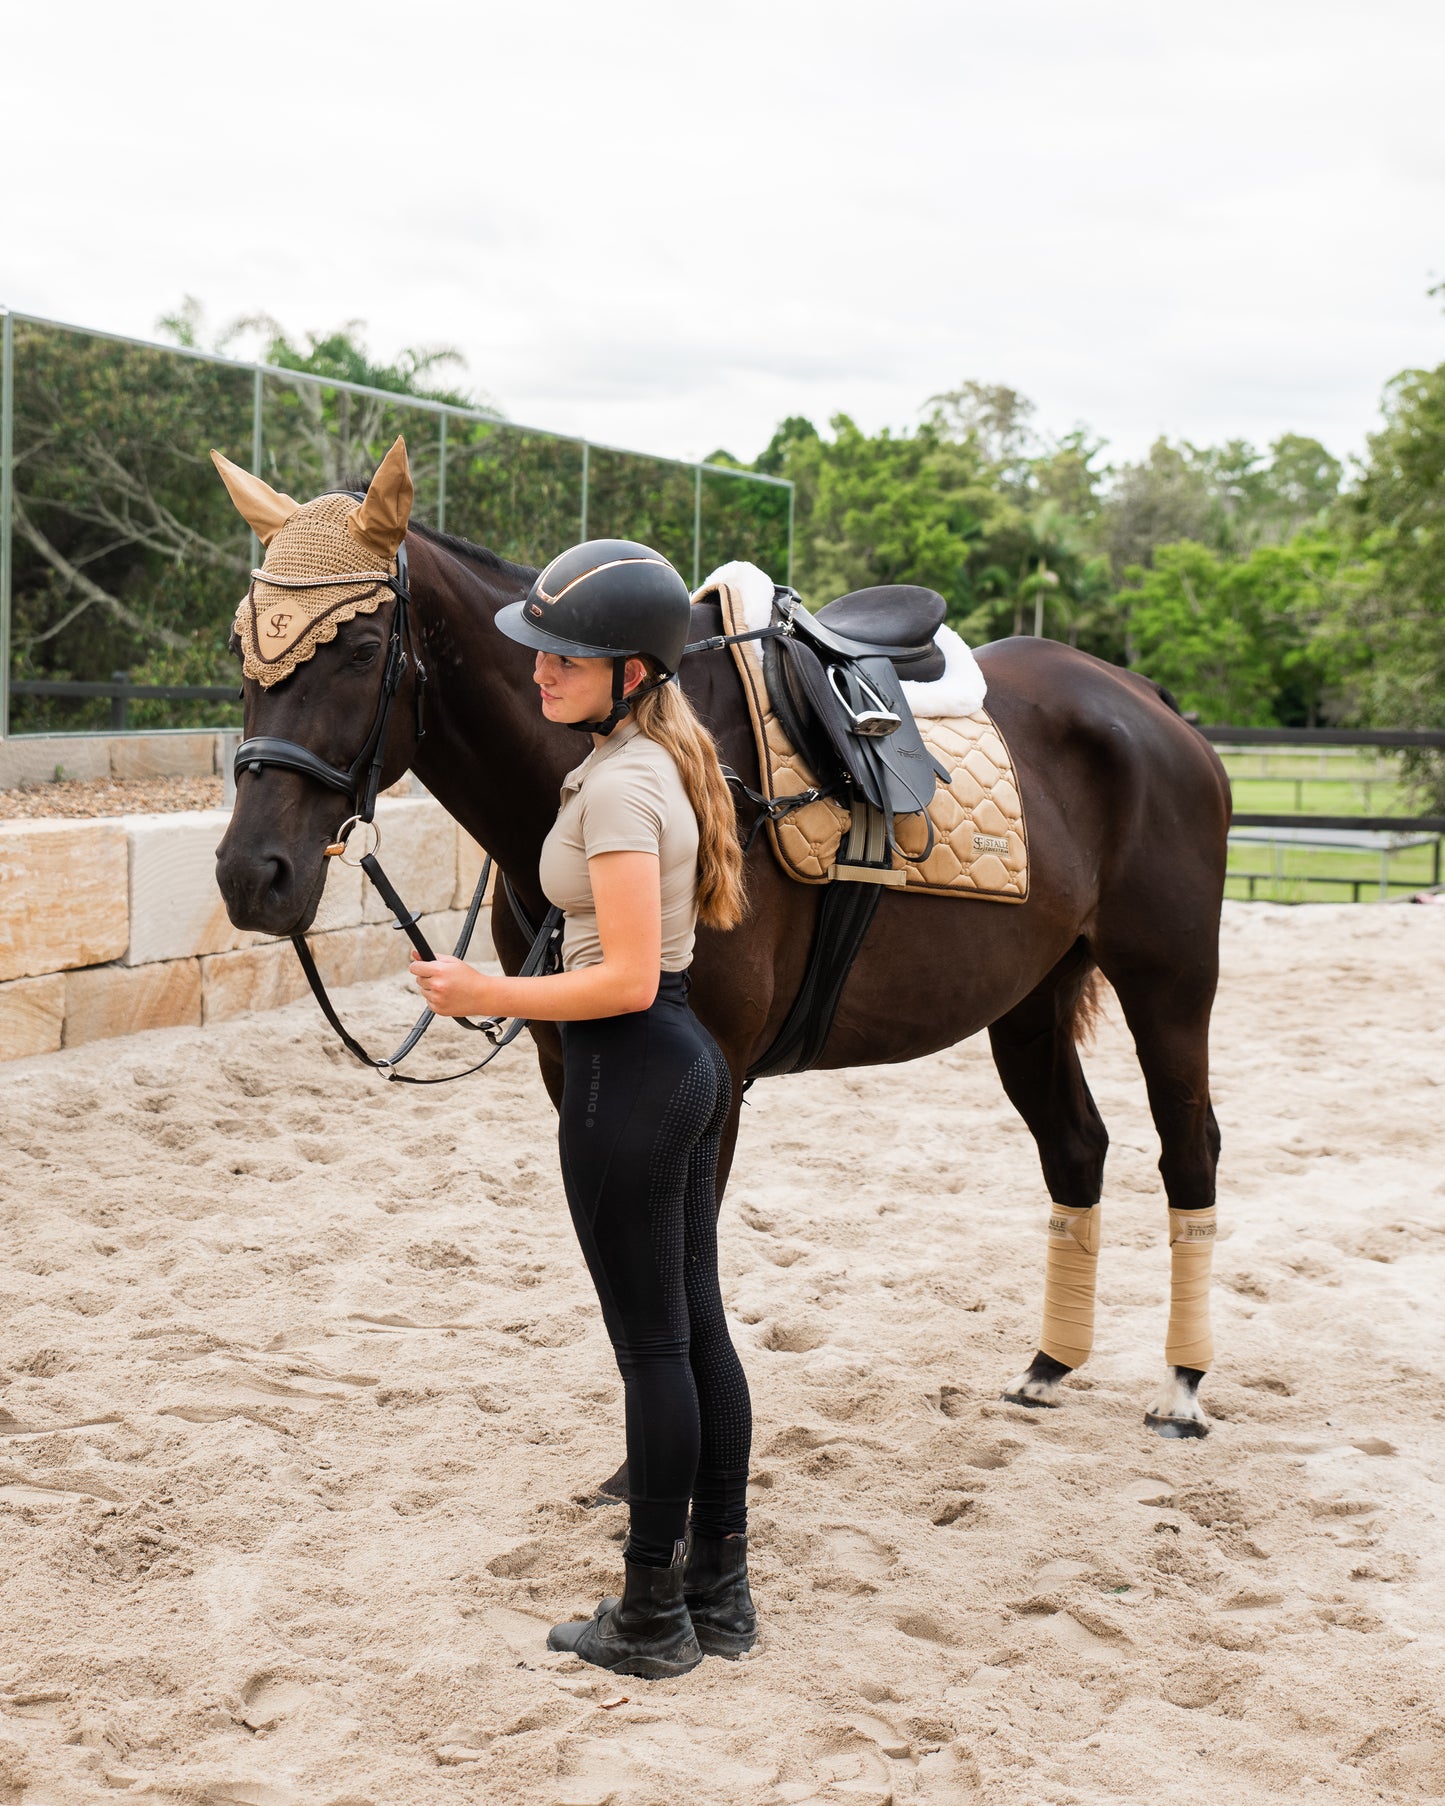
[363, 655]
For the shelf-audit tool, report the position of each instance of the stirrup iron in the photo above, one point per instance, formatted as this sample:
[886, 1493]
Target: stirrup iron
[869, 724]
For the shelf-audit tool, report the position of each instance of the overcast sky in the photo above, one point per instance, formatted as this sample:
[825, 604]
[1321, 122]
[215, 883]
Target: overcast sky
[668, 226]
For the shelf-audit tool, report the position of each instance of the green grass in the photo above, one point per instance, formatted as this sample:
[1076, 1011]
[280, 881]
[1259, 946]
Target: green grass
[1383, 795]
[1341, 781]
[1302, 871]
[1297, 762]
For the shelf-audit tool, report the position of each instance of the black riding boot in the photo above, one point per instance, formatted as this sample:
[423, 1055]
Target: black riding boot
[646, 1632]
[715, 1585]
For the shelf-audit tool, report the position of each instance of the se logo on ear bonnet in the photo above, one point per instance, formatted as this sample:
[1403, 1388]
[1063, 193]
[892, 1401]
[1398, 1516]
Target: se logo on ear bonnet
[326, 562]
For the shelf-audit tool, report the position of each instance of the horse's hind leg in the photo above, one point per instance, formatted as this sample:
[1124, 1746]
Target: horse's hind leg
[1035, 1048]
[1167, 1007]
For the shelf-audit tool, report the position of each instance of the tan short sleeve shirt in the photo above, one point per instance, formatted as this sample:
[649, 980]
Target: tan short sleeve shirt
[625, 797]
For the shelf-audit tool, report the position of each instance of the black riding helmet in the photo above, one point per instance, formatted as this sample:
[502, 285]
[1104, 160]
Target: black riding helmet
[607, 598]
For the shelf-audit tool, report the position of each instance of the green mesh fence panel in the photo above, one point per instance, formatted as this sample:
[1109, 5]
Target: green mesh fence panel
[127, 558]
[126, 553]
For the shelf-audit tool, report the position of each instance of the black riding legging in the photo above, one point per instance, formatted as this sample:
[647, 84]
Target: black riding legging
[644, 1100]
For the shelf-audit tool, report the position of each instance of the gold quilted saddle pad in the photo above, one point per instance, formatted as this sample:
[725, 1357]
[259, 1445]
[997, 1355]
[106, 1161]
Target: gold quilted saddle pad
[981, 844]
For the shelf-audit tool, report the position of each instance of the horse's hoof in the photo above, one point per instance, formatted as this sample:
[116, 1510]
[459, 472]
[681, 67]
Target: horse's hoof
[1176, 1429]
[1176, 1413]
[1034, 1400]
[1037, 1387]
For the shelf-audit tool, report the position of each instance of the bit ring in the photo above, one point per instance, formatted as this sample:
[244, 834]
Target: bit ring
[338, 848]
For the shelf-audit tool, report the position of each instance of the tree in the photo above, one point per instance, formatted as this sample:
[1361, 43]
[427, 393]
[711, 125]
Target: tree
[1159, 501]
[910, 507]
[1243, 640]
[994, 419]
[1396, 518]
[1228, 497]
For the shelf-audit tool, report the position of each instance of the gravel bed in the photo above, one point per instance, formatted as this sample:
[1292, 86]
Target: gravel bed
[74, 797]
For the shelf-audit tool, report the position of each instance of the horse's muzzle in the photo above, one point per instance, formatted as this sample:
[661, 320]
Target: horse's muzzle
[262, 888]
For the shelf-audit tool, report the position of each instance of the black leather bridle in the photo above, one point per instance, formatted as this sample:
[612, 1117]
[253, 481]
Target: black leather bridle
[359, 783]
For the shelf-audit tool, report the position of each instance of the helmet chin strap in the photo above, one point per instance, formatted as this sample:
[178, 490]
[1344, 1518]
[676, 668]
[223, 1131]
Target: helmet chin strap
[621, 705]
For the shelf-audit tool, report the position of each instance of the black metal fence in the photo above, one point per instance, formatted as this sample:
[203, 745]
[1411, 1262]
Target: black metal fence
[122, 692]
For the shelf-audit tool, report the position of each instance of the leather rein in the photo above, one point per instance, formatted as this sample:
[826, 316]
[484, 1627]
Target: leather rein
[359, 783]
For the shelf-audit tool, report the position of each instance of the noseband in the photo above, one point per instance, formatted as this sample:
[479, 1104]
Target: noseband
[359, 783]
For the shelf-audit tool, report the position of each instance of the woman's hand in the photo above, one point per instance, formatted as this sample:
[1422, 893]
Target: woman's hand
[451, 987]
[627, 889]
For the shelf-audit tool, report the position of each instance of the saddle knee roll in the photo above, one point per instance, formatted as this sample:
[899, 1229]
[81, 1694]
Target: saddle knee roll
[1069, 1279]
[1189, 1341]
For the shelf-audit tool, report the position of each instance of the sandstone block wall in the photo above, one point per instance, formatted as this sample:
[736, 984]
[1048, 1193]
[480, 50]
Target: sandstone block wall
[37, 759]
[110, 927]
[102, 1001]
[32, 1014]
[63, 895]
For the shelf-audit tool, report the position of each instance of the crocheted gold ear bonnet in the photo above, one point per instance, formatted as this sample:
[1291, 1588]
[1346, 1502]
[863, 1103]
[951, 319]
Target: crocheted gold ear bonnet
[327, 561]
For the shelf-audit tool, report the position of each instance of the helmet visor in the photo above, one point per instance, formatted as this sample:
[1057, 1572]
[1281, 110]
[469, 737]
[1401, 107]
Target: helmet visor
[512, 621]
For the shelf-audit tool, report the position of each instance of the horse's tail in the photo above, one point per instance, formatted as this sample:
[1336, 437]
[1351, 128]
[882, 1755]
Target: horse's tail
[1088, 1006]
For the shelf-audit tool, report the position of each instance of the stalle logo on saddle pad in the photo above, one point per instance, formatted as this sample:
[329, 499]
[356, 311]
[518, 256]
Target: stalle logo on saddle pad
[990, 843]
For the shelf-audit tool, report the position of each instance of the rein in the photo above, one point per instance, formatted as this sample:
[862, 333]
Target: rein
[359, 783]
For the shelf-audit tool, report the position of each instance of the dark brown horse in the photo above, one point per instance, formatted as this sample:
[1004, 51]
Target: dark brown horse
[1128, 810]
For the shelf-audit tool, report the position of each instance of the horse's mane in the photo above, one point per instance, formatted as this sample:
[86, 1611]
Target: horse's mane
[482, 555]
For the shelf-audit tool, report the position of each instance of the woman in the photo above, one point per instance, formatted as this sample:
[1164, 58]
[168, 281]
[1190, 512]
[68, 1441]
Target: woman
[644, 845]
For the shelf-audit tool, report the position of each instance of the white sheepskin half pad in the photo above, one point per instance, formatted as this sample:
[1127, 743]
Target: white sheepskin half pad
[754, 586]
[960, 691]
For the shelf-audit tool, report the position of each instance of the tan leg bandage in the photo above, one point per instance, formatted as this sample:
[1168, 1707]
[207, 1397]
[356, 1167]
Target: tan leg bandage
[1069, 1276]
[1190, 1340]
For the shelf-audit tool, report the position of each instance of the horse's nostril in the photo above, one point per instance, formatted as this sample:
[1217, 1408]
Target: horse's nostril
[278, 878]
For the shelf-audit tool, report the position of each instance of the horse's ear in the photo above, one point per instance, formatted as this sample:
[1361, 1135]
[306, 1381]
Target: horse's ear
[380, 520]
[264, 511]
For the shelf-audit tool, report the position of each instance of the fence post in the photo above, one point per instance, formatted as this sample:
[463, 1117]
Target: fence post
[442, 478]
[257, 447]
[792, 491]
[120, 704]
[696, 525]
[7, 449]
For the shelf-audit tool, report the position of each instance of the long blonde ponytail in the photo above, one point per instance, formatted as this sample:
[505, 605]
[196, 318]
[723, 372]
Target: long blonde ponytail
[666, 716]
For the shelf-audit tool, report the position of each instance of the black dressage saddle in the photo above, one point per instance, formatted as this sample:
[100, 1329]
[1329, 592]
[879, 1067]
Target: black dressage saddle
[834, 681]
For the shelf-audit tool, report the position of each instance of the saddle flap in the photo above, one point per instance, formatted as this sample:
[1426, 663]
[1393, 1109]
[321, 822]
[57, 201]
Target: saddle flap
[895, 773]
